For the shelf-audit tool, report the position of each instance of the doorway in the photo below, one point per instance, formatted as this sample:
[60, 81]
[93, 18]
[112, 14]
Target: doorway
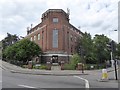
[55, 59]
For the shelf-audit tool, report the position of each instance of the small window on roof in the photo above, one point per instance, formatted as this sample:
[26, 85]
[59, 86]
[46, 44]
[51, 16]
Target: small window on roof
[55, 20]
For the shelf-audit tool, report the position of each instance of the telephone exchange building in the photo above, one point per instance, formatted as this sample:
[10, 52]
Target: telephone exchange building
[55, 35]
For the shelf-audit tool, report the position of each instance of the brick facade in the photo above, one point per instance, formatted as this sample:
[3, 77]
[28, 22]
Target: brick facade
[67, 35]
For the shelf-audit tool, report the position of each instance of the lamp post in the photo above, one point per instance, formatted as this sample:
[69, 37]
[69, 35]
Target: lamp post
[112, 55]
[119, 36]
[111, 31]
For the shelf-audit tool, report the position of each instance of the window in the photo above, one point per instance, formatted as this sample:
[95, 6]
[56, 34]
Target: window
[75, 39]
[68, 39]
[34, 37]
[55, 39]
[42, 34]
[31, 39]
[55, 20]
[38, 36]
[71, 37]
[71, 49]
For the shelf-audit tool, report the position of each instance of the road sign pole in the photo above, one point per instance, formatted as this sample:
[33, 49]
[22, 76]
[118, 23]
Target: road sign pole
[115, 70]
[111, 55]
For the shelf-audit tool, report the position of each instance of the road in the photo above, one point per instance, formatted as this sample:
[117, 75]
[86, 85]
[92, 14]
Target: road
[17, 80]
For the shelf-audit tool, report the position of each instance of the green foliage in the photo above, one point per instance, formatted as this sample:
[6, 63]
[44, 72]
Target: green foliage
[118, 50]
[24, 51]
[101, 50]
[25, 66]
[88, 66]
[9, 52]
[43, 67]
[9, 40]
[73, 62]
[69, 67]
[94, 51]
[0, 49]
[40, 67]
[87, 48]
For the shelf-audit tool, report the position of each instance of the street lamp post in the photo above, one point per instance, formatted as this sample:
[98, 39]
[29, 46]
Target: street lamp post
[111, 53]
[113, 47]
[113, 57]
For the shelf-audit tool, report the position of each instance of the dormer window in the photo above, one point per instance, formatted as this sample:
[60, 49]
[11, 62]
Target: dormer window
[55, 20]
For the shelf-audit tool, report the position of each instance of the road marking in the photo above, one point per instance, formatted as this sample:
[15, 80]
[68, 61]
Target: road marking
[0, 81]
[86, 81]
[26, 86]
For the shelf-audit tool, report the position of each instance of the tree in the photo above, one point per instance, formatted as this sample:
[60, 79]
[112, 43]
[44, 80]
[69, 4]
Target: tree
[75, 60]
[23, 51]
[118, 50]
[0, 50]
[85, 48]
[9, 40]
[101, 50]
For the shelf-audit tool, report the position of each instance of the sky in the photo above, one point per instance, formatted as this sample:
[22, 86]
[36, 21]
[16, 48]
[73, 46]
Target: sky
[92, 16]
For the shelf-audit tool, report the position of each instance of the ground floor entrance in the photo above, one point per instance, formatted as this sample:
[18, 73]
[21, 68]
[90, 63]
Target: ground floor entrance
[54, 59]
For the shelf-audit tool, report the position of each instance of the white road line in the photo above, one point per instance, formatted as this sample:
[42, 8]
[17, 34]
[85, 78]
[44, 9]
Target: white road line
[26, 86]
[0, 81]
[86, 81]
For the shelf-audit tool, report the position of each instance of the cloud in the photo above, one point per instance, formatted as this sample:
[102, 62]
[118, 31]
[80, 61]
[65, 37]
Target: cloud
[93, 16]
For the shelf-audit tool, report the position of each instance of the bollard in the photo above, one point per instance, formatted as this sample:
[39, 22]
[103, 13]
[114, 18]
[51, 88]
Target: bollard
[104, 74]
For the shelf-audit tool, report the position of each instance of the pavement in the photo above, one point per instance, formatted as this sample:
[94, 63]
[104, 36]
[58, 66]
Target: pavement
[17, 69]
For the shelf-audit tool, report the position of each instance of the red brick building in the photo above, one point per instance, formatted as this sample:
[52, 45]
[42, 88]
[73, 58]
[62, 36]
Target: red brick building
[55, 35]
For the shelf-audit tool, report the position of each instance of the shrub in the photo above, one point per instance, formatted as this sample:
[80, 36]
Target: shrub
[73, 62]
[25, 66]
[100, 66]
[69, 67]
[43, 67]
[23, 51]
[40, 67]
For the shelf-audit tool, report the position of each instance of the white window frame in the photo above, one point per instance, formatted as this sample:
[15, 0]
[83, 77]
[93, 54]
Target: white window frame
[55, 38]
[38, 36]
[34, 37]
[55, 20]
